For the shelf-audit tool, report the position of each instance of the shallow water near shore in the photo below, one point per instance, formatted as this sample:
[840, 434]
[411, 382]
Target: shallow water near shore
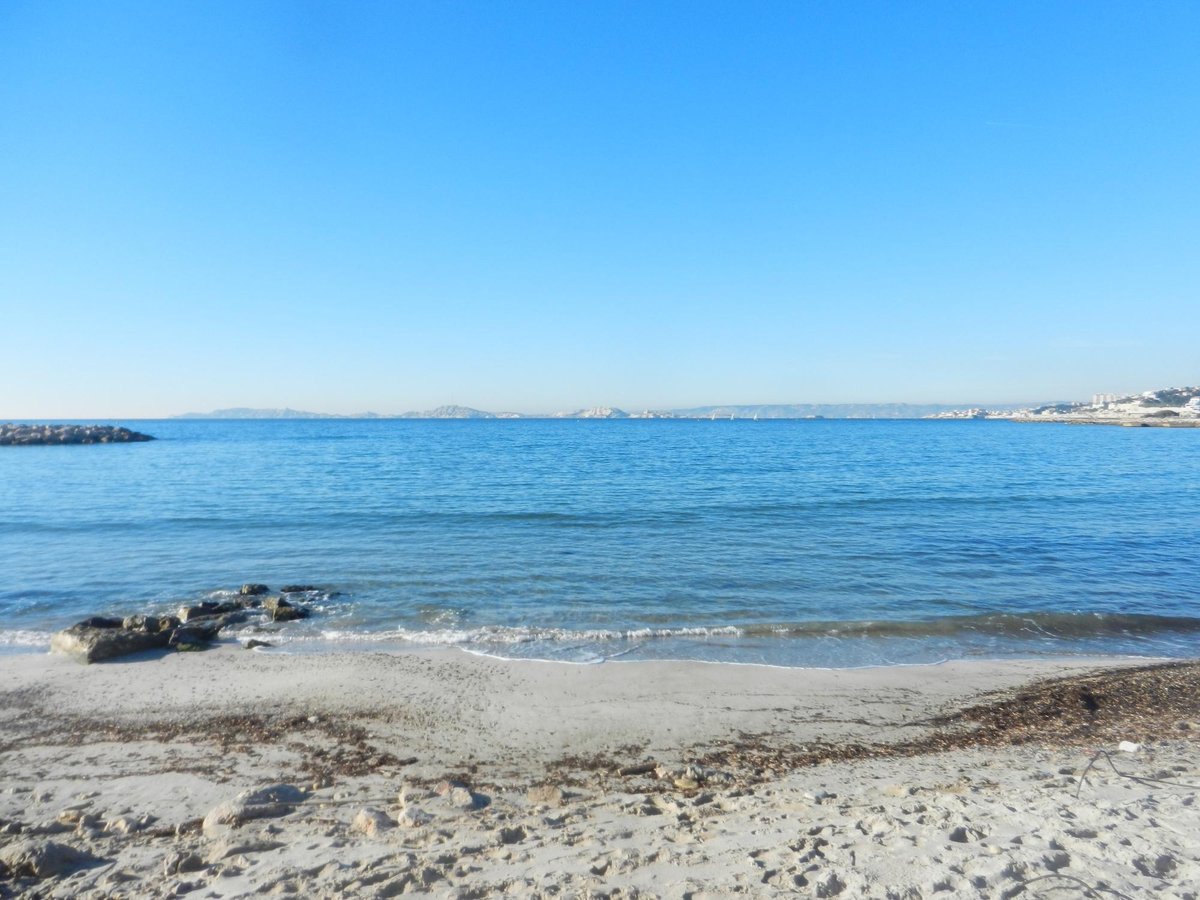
[810, 543]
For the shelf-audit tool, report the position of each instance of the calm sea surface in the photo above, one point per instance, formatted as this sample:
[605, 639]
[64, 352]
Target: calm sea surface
[814, 543]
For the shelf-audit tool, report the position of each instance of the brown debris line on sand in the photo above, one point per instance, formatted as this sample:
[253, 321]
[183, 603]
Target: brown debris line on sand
[1141, 704]
[327, 747]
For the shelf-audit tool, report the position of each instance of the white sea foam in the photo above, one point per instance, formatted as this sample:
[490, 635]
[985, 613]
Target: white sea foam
[18, 638]
[495, 634]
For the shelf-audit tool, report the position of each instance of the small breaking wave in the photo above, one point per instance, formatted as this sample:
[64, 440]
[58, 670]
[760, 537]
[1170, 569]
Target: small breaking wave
[25, 638]
[1033, 624]
[1056, 626]
[995, 628]
[20, 640]
[501, 634]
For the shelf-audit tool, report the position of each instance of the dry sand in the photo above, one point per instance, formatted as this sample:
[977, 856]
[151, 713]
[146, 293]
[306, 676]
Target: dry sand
[461, 776]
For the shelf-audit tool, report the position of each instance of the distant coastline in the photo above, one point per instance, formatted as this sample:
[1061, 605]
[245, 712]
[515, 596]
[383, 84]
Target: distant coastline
[1143, 422]
[727, 411]
[1165, 407]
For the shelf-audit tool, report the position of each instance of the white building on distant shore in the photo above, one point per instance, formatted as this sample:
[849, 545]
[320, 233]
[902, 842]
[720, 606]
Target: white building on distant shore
[1103, 399]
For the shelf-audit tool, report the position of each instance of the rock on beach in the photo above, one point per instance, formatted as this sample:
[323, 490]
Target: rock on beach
[264, 803]
[92, 643]
[43, 859]
[371, 821]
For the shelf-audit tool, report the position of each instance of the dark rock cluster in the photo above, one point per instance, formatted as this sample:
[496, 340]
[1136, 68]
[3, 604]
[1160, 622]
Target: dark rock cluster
[192, 628]
[34, 435]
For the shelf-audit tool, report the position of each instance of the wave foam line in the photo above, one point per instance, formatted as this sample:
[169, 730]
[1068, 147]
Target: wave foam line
[1027, 626]
[19, 638]
[1056, 626]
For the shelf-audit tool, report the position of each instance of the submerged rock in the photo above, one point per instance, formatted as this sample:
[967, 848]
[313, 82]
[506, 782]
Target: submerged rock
[283, 611]
[254, 590]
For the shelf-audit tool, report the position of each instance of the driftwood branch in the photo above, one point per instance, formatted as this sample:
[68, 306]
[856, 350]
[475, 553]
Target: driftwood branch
[1088, 890]
[1141, 779]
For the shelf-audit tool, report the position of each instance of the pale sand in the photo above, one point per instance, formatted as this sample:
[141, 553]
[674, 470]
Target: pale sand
[122, 759]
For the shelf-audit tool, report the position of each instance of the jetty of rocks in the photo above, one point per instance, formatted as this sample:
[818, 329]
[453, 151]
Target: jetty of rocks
[192, 628]
[33, 435]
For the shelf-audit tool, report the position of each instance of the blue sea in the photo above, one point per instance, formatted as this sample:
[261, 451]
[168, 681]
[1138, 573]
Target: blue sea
[795, 543]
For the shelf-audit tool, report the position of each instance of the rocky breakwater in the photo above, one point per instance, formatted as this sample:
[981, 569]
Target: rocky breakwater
[194, 627]
[38, 435]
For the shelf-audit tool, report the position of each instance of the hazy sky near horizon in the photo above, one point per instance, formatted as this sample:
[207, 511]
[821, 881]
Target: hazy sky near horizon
[539, 206]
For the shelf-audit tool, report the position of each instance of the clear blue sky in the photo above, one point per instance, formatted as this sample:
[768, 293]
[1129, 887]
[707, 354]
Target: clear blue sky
[539, 206]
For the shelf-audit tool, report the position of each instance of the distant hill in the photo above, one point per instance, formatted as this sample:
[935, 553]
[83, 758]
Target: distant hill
[596, 412]
[242, 412]
[449, 412]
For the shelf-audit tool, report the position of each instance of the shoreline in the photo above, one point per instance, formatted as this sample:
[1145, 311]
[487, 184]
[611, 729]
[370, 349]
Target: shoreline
[446, 773]
[305, 648]
[1127, 422]
[854, 644]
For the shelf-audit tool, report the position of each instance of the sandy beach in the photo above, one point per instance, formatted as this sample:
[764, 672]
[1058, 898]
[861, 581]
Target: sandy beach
[369, 774]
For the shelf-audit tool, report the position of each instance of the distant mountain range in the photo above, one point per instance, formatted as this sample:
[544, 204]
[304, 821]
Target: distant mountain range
[242, 412]
[458, 412]
[736, 411]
